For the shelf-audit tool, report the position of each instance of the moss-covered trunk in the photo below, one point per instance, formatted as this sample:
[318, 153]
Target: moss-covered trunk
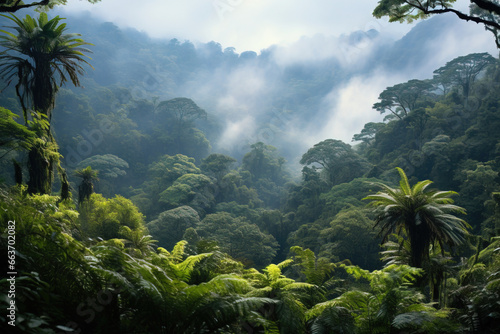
[40, 169]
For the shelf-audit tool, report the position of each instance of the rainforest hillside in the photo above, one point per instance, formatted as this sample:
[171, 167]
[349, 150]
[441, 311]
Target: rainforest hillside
[158, 186]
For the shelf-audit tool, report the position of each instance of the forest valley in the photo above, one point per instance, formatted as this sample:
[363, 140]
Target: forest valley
[126, 221]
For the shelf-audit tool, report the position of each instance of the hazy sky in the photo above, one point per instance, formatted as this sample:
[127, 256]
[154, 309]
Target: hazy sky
[243, 24]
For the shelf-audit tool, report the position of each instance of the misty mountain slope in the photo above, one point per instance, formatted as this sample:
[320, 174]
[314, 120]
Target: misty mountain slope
[412, 51]
[432, 43]
[300, 86]
[288, 96]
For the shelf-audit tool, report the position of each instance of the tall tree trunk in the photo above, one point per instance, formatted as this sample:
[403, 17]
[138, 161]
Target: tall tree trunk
[40, 160]
[18, 172]
[40, 170]
[85, 189]
[65, 187]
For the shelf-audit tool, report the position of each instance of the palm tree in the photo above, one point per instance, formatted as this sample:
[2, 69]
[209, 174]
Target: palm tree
[138, 240]
[86, 188]
[41, 56]
[426, 217]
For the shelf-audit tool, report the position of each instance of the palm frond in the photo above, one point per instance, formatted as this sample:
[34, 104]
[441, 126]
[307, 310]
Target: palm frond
[421, 186]
[404, 184]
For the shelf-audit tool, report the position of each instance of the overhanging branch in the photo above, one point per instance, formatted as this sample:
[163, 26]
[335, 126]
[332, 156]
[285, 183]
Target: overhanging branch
[487, 5]
[461, 15]
[17, 6]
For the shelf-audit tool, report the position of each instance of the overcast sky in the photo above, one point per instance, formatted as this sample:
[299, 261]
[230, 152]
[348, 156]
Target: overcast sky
[243, 24]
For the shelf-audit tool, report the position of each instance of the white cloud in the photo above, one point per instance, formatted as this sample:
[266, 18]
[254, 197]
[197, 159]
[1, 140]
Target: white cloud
[232, 136]
[349, 51]
[349, 107]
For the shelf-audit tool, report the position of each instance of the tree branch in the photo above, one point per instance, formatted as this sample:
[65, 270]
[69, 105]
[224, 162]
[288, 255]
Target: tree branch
[462, 15]
[16, 6]
[487, 5]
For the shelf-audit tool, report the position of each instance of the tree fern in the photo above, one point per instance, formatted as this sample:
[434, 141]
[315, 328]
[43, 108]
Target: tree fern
[315, 270]
[334, 320]
[426, 217]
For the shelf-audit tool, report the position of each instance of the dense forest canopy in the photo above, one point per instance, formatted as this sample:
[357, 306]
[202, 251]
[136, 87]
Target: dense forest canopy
[152, 186]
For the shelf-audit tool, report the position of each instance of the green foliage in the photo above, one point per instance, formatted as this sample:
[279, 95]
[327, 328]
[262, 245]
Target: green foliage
[262, 162]
[288, 316]
[351, 236]
[41, 57]
[169, 168]
[478, 182]
[397, 250]
[335, 319]
[491, 226]
[316, 271]
[239, 238]
[463, 71]
[175, 262]
[263, 168]
[391, 303]
[339, 161]
[175, 127]
[331, 233]
[367, 134]
[306, 199]
[106, 249]
[217, 165]
[170, 225]
[162, 175]
[182, 111]
[484, 12]
[102, 218]
[43, 229]
[398, 10]
[346, 195]
[12, 134]
[476, 299]
[153, 294]
[402, 98]
[232, 189]
[108, 165]
[138, 240]
[195, 190]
